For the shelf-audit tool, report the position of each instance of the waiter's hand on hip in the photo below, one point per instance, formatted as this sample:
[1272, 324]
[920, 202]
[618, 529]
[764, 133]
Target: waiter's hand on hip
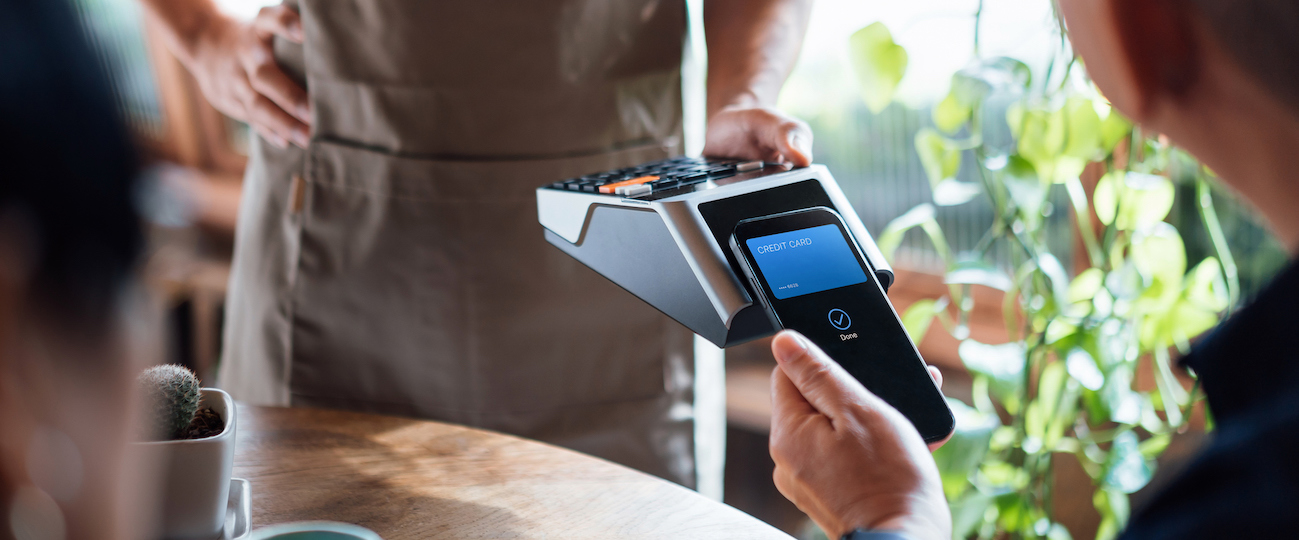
[843, 455]
[236, 69]
[758, 133]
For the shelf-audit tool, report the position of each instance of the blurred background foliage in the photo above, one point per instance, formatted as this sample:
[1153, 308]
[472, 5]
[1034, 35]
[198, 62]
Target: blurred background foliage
[1111, 248]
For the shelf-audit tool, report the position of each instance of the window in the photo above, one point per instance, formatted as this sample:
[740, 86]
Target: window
[873, 156]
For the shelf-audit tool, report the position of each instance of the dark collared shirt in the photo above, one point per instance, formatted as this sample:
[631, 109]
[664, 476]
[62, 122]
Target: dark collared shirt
[1245, 482]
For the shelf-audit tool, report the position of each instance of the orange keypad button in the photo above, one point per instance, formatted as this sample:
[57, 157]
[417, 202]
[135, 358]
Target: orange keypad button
[610, 188]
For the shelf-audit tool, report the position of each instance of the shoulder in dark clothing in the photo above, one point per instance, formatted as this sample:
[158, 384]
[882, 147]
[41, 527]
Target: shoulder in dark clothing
[1245, 484]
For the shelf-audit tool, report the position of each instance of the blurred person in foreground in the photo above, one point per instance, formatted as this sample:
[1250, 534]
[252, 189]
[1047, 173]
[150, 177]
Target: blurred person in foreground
[69, 237]
[1221, 79]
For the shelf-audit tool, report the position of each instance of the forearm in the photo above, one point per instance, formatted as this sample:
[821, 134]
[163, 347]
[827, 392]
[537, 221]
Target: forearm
[752, 47]
[182, 22]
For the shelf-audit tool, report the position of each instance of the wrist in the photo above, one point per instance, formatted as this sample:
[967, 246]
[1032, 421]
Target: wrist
[911, 519]
[732, 100]
[874, 534]
[911, 528]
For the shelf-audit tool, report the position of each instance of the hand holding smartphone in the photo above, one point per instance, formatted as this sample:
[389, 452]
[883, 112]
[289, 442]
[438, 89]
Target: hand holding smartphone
[810, 276]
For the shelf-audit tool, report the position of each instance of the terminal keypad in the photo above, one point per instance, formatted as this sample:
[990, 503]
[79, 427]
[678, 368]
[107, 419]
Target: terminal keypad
[657, 176]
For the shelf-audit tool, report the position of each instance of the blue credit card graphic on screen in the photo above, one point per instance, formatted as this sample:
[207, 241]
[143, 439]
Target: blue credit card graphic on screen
[806, 261]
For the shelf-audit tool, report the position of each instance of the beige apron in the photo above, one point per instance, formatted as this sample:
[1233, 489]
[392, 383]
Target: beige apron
[396, 264]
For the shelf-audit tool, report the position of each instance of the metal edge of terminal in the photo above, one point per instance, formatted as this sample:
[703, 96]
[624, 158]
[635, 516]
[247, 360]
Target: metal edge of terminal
[567, 213]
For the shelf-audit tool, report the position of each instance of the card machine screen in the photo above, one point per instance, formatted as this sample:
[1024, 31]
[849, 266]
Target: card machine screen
[806, 261]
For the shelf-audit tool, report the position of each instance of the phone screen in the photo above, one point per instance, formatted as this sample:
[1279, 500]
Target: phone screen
[814, 280]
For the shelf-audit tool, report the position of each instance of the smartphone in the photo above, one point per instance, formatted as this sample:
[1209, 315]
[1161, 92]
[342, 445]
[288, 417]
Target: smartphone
[810, 276]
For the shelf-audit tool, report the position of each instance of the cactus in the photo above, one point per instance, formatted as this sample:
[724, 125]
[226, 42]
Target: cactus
[172, 396]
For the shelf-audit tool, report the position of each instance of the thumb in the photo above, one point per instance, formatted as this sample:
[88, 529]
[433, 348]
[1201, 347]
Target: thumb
[793, 139]
[824, 384]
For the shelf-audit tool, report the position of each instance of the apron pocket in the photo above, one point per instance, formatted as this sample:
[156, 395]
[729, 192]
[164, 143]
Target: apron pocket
[428, 283]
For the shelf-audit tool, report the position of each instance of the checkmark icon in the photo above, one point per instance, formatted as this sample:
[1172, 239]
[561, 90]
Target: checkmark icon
[840, 319]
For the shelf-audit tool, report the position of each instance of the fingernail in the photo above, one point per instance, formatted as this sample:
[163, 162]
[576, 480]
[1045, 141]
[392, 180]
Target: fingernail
[301, 138]
[789, 345]
[304, 113]
[800, 143]
[295, 30]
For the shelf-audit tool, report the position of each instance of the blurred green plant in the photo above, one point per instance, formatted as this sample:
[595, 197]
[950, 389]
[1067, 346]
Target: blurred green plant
[880, 64]
[1063, 384]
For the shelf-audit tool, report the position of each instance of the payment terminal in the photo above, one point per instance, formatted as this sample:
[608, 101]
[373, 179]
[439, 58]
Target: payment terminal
[661, 231]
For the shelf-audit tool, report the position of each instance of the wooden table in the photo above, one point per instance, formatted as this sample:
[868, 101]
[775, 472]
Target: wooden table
[408, 478]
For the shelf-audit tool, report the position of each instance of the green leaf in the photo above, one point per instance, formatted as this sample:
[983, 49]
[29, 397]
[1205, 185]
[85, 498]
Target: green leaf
[1002, 364]
[1122, 404]
[1013, 512]
[950, 114]
[919, 316]
[879, 63]
[1114, 509]
[1054, 271]
[1205, 286]
[1154, 446]
[1025, 188]
[967, 513]
[952, 192]
[1135, 200]
[978, 272]
[1158, 252]
[1114, 129]
[1127, 469]
[1086, 285]
[1084, 129]
[970, 87]
[1082, 367]
[1058, 330]
[962, 454]
[1003, 71]
[1124, 282]
[1042, 137]
[1058, 532]
[1059, 142]
[1146, 199]
[1050, 385]
[1015, 117]
[1105, 198]
[1041, 411]
[891, 238]
[1066, 168]
[1002, 474]
[1182, 322]
[939, 159]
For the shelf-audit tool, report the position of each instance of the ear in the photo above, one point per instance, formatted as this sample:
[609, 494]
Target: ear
[1157, 37]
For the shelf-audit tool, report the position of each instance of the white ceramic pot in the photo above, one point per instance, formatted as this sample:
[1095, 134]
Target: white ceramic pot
[195, 476]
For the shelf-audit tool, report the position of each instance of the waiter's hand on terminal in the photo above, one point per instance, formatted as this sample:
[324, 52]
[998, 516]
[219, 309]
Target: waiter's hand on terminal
[752, 47]
[844, 456]
[235, 66]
